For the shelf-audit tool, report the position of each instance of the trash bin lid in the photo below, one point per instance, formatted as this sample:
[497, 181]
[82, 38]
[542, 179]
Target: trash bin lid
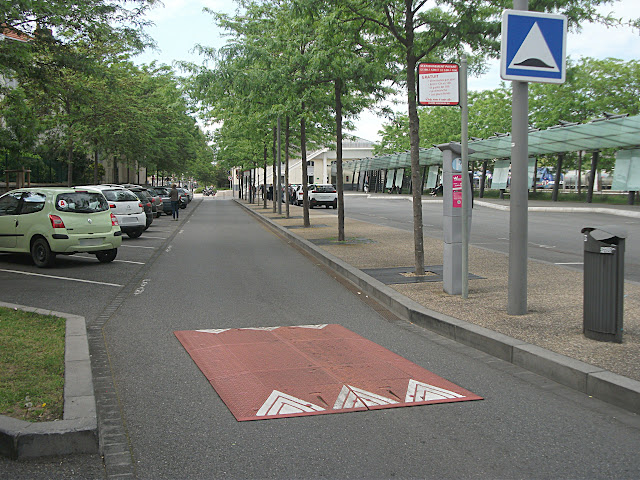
[603, 232]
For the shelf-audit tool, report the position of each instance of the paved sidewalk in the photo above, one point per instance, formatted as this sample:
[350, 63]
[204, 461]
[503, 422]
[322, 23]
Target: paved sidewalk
[554, 318]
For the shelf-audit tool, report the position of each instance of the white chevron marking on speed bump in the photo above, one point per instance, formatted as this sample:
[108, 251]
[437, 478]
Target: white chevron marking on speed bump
[352, 397]
[280, 403]
[423, 392]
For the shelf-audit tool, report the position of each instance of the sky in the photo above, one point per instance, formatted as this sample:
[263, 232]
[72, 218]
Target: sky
[179, 25]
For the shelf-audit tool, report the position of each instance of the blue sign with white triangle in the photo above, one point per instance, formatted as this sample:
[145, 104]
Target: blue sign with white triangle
[533, 47]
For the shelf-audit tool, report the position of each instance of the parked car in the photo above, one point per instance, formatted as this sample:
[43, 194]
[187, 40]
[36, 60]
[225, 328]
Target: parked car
[156, 199]
[143, 195]
[127, 208]
[298, 195]
[51, 221]
[166, 200]
[184, 197]
[188, 192]
[323, 194]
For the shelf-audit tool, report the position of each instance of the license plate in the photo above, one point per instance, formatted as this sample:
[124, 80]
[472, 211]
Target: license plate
[90, 242]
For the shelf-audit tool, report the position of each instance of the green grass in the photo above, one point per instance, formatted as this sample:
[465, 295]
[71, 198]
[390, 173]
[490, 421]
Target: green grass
[31, 365]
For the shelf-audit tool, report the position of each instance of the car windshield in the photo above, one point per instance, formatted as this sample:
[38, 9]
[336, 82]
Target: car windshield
[81, 202]
[324, 188]
[120, 196]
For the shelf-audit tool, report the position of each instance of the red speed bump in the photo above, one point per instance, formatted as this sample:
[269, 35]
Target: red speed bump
[276, 372]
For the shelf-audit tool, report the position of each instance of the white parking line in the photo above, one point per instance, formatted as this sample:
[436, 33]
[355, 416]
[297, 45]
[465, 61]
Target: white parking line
[120, 261]
[156, 238]
[60, 278]
[569, 263]
[136, 246]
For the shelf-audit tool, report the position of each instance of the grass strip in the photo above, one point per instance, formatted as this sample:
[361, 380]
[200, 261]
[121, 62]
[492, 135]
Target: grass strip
[31, 365]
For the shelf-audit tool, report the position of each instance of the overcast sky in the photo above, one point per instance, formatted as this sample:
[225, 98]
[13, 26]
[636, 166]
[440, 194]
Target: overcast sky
[181, 24]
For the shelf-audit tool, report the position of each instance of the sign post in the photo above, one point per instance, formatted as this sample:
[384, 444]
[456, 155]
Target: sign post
[438, 84]
[533, 50]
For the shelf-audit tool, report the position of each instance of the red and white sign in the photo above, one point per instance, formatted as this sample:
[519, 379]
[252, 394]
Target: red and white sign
[276, 372]
[456, 182]
[438, 84]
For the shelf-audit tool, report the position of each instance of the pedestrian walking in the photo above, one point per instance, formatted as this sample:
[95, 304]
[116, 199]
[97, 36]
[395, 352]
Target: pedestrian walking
[175, 201]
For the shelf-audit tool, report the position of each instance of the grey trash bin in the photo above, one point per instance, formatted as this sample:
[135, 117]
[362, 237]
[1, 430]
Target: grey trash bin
[603, 282]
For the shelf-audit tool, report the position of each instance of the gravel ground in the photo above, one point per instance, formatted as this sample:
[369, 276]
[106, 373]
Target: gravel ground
[554, 294]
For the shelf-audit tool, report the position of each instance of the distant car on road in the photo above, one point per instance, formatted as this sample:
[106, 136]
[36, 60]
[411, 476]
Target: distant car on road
[323, 194]
[51, 221]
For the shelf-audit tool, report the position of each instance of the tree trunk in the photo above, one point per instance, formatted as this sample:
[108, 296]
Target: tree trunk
[556, 180]
[305, 176]
[339, 180]
[592, 175]
[286, 166]
[70, 166]
[414, 137]
[95, 167]
[274, 194]
[264, 178]
[579, 182]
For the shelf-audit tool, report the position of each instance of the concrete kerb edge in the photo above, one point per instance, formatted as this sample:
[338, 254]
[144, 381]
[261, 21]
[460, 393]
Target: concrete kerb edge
[77, 432]
[602, 384]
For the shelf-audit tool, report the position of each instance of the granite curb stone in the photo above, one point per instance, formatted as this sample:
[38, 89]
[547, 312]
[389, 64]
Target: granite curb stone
[597, 382]
[77, 432]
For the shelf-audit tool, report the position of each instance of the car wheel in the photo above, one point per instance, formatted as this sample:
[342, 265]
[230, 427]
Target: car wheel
[41, 253]
[107, 256]
[135, 233]
[335, 204]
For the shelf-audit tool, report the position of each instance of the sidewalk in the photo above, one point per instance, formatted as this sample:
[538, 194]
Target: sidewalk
[554, 318]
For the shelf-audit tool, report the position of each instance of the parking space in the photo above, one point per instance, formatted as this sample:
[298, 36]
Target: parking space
[79, 283]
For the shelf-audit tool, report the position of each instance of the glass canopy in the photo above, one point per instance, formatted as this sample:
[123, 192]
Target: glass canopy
[608, 132]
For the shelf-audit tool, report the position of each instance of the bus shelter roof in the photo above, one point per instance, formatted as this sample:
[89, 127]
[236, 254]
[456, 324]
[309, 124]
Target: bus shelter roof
[611, 131]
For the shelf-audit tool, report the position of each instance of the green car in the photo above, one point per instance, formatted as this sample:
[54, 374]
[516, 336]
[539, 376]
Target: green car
[51, 221]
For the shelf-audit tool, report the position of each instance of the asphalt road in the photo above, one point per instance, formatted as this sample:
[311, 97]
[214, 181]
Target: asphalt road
[553, 237]
[222, 269]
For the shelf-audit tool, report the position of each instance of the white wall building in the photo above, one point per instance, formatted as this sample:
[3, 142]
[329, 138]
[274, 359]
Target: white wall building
[321, 164]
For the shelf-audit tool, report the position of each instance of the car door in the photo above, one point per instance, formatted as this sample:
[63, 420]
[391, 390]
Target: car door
[8, 217]
[32, 203]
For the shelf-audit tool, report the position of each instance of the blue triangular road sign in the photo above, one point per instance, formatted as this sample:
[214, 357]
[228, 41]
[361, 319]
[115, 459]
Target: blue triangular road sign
[533, 47]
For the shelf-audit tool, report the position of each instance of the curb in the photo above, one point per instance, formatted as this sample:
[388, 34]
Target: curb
[594, 381]
[77, 432]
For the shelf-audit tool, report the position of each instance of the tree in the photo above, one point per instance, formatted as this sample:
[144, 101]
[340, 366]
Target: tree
[442, 33]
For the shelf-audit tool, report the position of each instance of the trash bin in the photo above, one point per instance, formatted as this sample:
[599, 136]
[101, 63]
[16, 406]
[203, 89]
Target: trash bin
[603, 282]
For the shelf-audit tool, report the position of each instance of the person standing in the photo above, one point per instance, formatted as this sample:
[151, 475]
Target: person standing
[175, 201]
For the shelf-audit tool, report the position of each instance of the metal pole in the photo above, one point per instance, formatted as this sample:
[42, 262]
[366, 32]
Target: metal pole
[466, 201]
[278, 196]
[518, 215]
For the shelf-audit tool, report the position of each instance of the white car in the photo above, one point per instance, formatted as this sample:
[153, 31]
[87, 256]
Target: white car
[127, 208]
[323, 194]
